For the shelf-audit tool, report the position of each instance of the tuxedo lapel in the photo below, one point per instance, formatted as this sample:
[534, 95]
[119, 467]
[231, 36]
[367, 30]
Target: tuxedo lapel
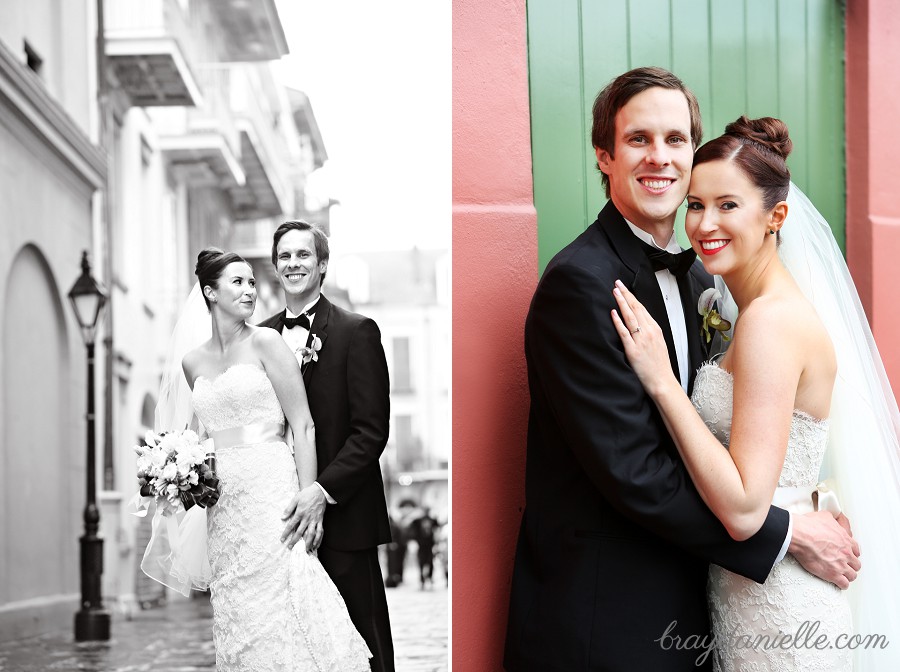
[318, 328]
[278, 322]
[644, 285]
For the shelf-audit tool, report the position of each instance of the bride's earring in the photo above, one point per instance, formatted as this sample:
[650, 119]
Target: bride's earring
[772, 231]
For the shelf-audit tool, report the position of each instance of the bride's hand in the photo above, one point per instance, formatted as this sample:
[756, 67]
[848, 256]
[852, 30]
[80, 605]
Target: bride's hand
[645, 345]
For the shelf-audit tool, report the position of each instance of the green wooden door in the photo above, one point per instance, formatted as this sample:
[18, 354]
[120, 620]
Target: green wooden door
[780, 58]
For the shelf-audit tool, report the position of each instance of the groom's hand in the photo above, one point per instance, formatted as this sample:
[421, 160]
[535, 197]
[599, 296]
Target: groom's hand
[825, 547]
[304, 518]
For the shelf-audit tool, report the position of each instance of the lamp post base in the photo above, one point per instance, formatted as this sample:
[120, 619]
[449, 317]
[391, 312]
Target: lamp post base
[91, 625]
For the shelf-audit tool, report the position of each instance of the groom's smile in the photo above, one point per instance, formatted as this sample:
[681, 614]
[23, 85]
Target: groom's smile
[298, 268]
[657, 185]
[650, 166]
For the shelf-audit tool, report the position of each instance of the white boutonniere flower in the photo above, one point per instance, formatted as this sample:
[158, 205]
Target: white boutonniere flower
[711, 318]
[311, 354]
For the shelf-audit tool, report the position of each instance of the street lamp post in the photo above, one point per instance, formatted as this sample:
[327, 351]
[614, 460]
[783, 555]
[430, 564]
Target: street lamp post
[92, 621]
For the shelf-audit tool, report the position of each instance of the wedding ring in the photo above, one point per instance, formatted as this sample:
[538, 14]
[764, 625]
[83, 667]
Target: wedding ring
[636, 330]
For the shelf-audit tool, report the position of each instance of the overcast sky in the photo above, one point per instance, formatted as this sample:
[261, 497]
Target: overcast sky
[378, 77]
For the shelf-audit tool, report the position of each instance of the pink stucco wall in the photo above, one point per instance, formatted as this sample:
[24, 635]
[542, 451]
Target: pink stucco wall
[494, 275]
[873, 144]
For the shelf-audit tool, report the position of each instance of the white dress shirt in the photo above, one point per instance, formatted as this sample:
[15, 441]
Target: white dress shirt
[668, 285]
[296, 338]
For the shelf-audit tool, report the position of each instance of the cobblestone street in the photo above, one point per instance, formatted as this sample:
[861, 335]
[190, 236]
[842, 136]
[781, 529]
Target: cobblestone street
[178, 638]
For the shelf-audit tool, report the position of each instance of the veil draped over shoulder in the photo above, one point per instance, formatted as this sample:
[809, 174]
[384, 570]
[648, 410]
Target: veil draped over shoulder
[176, 553]
[863, 455]
[862, 461]
[194, 327]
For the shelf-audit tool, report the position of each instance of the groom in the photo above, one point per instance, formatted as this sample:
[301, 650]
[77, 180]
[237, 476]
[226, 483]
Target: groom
[348, 390]
[615, 541]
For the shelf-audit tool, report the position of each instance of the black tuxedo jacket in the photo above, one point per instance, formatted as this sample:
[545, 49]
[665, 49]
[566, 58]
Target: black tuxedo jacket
[615, 540]
[349, 398]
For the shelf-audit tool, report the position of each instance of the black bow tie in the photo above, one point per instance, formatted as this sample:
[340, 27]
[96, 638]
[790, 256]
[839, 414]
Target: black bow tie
[679, 264]
[299, 321]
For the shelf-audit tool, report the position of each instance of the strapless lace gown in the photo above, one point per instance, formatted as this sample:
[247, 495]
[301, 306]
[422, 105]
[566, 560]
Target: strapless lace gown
[744, 614]
[274, 609]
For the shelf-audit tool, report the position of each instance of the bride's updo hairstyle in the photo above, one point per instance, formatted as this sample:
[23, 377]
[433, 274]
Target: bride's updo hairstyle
[211, 262]
[759, 147]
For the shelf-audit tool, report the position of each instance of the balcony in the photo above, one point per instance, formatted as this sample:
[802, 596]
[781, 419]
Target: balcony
[203, 143]
[145, 48]
[257, 197]
[252, 31]
[264, 121]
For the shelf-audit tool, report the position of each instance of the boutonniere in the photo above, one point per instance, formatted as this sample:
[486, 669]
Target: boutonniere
[311, 354]
[711, 318]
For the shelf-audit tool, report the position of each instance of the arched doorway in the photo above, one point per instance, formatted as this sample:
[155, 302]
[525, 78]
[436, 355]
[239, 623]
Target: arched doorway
[38, 518]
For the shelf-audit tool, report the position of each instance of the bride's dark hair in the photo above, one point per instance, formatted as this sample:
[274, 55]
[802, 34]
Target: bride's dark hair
[759, 148]
[211, 262]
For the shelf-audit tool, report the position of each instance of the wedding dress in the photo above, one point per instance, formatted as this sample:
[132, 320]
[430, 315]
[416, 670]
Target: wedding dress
[750, 621]
[274, 609]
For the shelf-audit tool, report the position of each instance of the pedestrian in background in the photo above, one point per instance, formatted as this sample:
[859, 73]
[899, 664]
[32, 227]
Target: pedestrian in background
[422, 530]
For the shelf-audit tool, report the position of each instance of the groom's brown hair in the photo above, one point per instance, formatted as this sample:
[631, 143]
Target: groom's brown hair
[622, 89]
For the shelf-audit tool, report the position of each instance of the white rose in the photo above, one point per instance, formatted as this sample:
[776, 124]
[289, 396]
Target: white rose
[170, 472]
[169, 443]
[158, 458]
[144, 464]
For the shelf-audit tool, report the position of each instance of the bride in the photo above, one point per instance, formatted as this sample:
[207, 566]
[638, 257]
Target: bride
[274, 608]
[802, 375]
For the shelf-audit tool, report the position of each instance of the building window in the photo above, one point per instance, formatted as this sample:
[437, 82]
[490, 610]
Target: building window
[409, 447]
[402, 377]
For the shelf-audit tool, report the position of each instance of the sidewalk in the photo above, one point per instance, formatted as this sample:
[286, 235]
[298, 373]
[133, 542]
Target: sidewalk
[178, 638]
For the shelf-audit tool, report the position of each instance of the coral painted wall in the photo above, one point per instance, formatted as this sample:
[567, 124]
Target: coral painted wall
[873, 210]
[494, 275]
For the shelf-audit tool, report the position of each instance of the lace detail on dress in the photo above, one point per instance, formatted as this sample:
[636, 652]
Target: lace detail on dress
[745, 615]
[805, 452]
[274, 609]
[712, 402]
[241, 395]
[712, 397]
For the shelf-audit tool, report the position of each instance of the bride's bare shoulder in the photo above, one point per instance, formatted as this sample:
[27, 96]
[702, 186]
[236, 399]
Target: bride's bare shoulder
[193, 361]
[788, 320]
[264, 336]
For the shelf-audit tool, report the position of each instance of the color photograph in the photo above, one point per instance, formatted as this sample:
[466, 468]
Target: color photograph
[675, 435]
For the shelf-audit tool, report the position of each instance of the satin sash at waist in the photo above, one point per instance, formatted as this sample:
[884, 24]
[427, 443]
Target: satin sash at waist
[260, 432]
[806, 498]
